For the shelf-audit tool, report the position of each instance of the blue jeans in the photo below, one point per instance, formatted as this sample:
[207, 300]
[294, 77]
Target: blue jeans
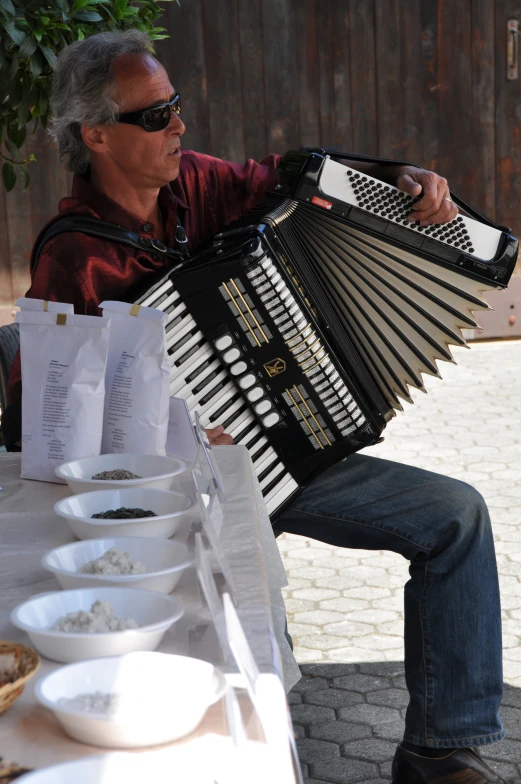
[453, 664]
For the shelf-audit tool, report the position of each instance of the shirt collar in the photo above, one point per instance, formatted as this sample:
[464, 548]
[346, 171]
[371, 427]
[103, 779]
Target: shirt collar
[108, 210]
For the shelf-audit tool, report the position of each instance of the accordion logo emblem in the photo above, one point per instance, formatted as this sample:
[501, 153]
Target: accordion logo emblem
[275, 367]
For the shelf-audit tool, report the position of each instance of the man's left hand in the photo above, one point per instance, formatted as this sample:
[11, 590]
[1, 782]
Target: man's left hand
[435, 204]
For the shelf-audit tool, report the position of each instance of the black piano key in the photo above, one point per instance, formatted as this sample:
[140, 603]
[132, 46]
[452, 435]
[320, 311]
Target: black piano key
[175, 322]
[256, 453]
[180, 343]
[248, 427]
[191, 351]
[220, 411]
[232, 418]
[206, 363]
[206, 380]
[255, 438]
[274, 482]
[217, 388]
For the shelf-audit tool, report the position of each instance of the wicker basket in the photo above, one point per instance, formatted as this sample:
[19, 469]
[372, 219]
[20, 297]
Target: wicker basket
[29, 663]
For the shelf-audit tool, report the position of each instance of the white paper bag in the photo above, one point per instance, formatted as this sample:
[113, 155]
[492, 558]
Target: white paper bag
[63, 360]
[137, 380]
[43, 305]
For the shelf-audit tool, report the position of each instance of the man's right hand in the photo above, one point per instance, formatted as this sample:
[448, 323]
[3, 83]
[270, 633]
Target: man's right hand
[217, 436]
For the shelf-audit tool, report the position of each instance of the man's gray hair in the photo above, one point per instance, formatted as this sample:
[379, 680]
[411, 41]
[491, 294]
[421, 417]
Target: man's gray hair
[83, 90]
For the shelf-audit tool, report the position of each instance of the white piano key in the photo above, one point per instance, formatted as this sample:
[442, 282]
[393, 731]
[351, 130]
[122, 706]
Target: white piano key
[220, 399]
[246, 439]
[226, 414]
[157, 293]
[179, 332]
[174, 313]
[199, 358]
[270, 477]
[266, 459]
[215, 382]
[280, 493]
[243, 420]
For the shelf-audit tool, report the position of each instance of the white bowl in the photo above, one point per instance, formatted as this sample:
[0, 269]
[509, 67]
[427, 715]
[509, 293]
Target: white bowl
[173, 511]
[163, 697]
[153, 612]
[164, 561]
[155, 470]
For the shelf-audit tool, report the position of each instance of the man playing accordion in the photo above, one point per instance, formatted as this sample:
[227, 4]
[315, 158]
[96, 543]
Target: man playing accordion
[118, 127]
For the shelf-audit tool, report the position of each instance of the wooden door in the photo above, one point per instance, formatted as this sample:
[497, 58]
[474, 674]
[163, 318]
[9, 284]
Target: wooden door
[419, 80]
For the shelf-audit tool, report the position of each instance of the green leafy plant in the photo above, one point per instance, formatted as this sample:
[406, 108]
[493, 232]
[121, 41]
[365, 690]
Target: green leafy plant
[32, 32]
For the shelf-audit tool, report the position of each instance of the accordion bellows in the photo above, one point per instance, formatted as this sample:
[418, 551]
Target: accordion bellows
[401, 312]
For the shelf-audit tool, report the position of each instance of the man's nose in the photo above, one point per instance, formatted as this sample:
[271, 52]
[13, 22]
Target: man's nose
[176, 125]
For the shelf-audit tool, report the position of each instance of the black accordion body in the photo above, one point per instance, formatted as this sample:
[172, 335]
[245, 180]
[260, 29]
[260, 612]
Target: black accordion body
[304, 326]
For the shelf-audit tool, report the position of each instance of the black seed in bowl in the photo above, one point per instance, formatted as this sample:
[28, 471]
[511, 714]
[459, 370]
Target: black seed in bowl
[124, 513]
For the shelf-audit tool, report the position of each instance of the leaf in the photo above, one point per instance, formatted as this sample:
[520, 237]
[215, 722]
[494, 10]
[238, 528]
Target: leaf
[38, 34]
[88, 16]
[26, 178]
[43, 104]
[81, 34]
[49, 55]
[80, 4]
[36, 64]
[14, 33]
[24, 115]
[8, 176]
[27, 48]
[16, 135]
[8, 7]
[12, 148]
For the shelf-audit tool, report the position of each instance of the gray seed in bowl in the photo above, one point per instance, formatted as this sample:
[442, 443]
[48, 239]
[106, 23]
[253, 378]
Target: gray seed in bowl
[116, 474]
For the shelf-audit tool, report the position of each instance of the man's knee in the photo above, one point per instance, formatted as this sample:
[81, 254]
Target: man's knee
[464, 510]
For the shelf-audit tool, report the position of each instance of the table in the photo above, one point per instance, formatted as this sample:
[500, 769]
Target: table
[28, 527]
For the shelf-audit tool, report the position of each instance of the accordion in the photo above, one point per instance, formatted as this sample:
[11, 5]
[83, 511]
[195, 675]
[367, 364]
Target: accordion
[305, 325]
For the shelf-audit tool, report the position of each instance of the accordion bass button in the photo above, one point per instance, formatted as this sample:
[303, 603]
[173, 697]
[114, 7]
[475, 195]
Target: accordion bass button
[271, 419]
[223, 343]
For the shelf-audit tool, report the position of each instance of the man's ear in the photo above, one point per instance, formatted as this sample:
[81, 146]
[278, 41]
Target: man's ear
[94, 137]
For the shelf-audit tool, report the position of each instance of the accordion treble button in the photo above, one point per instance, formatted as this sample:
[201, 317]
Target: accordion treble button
[255, 394]
[247, 381]
[263, 406]
[271, 419]
[224, 342]
[238, 368]
[231, 355]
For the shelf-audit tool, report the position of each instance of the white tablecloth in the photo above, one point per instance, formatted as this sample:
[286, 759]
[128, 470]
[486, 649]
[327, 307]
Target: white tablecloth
[28, 527]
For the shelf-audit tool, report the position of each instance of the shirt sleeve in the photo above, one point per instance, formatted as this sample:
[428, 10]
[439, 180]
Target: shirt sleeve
[218, 192]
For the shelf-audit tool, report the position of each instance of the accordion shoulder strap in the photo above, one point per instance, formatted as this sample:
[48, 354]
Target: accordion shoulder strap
[86, 224]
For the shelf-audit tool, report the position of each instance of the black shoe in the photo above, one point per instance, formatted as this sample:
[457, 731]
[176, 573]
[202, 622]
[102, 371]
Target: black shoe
[459, 766]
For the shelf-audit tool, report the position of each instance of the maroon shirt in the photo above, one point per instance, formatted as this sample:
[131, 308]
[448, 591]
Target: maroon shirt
[84, 270]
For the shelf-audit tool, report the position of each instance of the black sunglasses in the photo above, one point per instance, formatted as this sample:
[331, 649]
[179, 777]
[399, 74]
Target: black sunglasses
[154, 119]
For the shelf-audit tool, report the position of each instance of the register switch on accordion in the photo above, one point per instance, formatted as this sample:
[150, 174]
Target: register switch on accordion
[303, 327]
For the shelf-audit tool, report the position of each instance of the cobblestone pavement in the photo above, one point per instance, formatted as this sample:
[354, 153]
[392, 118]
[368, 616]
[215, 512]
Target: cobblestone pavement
[345, 607]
